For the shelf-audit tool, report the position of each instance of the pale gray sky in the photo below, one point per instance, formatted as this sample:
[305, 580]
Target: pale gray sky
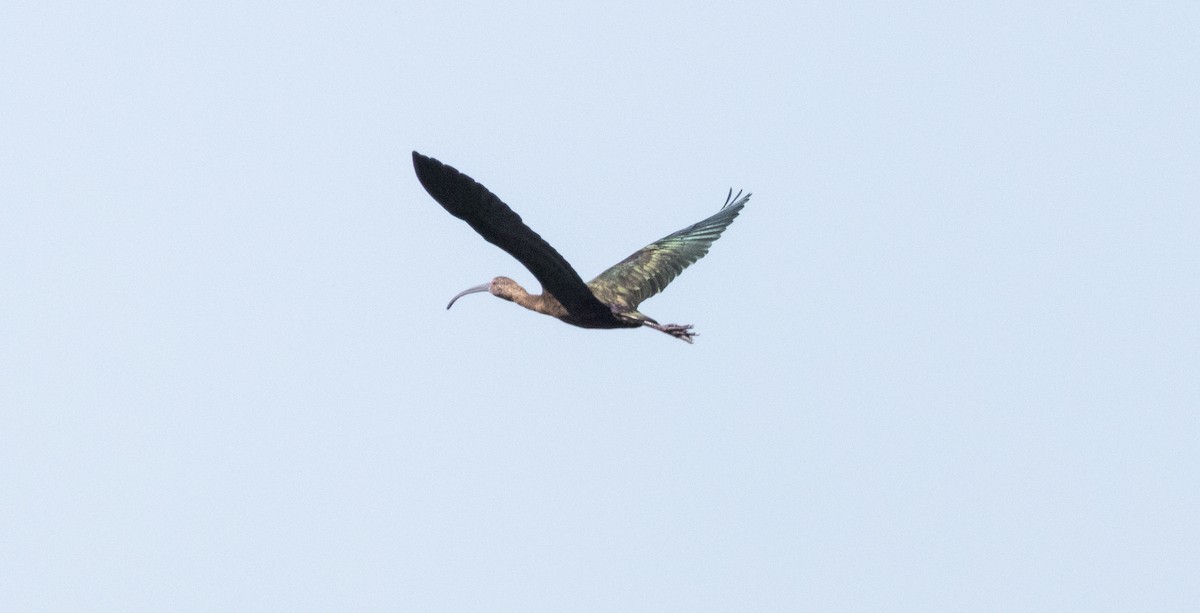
[948, 355]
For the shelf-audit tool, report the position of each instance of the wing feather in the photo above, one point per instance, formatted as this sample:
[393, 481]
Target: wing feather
[648, 270]
[471, 202]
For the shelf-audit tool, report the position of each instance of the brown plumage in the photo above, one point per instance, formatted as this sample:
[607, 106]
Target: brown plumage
[611, 299]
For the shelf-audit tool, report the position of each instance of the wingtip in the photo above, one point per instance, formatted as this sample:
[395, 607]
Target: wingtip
[425, 166]
[738, 200]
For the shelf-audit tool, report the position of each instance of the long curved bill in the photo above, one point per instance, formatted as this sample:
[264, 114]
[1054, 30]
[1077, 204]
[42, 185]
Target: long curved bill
[478, 288]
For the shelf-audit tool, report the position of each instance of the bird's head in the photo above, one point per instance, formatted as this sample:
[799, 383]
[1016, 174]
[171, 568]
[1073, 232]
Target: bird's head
[501, 287]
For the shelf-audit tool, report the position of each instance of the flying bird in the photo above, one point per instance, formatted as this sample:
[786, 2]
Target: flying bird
[610, 300]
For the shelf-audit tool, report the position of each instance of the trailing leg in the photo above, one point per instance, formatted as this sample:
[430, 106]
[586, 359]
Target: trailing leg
[683, 333]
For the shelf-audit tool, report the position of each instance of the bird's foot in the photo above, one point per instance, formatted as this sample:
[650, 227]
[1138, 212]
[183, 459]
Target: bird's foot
[683, 333]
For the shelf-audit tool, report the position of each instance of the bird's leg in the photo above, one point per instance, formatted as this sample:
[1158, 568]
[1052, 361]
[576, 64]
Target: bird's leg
[683, 333]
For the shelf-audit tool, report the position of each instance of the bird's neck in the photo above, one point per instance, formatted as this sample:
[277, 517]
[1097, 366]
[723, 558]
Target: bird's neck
[545, 304]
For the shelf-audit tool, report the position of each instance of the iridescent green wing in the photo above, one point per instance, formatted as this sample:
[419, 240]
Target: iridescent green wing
[651, 268]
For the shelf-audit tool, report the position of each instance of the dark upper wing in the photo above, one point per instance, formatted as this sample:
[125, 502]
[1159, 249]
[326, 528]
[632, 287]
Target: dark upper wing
[471, 202]
[651, 268]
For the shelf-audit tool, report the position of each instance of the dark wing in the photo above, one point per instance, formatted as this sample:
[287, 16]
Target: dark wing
[471, 202]
[651, 268]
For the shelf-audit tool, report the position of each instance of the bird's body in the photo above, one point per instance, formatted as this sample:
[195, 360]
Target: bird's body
[611, 299]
